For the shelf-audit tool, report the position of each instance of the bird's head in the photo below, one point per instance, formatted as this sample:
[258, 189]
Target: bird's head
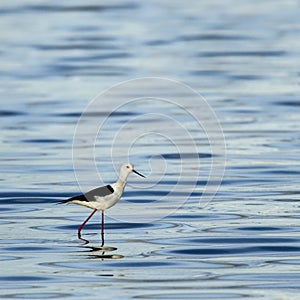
[126, 169]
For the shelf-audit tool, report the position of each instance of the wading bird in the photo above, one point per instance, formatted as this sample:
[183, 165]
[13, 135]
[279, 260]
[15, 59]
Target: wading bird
[103, 197]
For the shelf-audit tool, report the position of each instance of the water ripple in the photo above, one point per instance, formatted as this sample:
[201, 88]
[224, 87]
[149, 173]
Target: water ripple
[235, 251]
[43, 8]
[108, 226]
[11, 113]
[243, 54]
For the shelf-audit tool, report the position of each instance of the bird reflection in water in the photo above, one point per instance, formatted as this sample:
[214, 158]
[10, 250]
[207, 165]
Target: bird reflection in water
[101, 252]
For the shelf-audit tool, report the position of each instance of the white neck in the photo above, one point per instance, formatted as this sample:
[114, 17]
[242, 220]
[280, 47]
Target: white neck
[122, 179]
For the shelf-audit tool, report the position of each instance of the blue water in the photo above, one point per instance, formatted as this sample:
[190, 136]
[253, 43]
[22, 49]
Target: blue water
[242, 57]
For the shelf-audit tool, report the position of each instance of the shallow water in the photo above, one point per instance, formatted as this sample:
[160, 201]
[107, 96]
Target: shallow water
[243, 58]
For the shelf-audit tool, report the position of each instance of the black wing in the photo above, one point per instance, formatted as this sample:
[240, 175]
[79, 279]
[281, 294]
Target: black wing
[90, 196]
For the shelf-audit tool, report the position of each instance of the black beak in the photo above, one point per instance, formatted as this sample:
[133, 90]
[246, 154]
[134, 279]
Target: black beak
[136, 172]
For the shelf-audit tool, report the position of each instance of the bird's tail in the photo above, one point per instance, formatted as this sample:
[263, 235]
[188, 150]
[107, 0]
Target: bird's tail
[63, 201]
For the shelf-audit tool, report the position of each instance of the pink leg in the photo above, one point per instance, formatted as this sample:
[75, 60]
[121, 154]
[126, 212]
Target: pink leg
[82, 225]
[102, 229]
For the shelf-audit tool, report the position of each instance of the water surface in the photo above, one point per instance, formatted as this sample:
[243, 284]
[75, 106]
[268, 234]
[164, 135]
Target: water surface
[243, 57]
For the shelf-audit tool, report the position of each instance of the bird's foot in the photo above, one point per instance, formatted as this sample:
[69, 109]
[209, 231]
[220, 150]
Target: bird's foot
[84, 240]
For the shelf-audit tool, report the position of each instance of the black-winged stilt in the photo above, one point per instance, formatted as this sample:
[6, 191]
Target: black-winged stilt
[103, 197]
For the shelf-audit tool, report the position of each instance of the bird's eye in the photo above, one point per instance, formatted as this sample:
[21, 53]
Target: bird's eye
[127, 167]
